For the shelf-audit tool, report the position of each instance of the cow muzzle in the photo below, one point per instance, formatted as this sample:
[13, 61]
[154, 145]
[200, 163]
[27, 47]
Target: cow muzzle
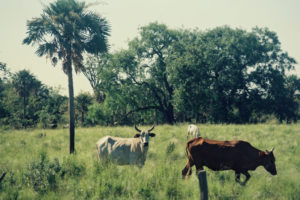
[145, 144]
[274, 172]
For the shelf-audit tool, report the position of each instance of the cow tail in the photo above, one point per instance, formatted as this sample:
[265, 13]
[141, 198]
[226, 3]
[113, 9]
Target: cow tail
[188, 153]
[190, 160]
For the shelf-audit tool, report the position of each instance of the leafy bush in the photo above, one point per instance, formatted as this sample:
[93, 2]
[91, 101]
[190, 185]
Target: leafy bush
[95, 115]
[41, 173]
[170, 148]
[72, 167]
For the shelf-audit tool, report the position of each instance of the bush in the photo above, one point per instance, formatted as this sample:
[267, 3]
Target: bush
[95, 115]
[72, 167]
[45, 119]
[170, 148]
[41, 173]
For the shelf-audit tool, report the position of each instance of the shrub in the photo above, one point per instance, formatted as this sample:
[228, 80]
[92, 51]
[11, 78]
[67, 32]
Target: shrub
[170, 148]
[95, 115]
[72, 167]
[41, 173]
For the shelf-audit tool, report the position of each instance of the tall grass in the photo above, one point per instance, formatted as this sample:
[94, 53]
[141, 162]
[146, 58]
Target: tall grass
[39, 166]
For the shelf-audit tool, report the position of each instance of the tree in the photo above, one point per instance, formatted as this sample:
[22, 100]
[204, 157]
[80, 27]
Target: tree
[64, 31]
[153, 50]
[140, 75]
[25, 83]
[5, 73]
[225, 74]
[83, 101]
[222, 75]
[94, 67]
[54, 106]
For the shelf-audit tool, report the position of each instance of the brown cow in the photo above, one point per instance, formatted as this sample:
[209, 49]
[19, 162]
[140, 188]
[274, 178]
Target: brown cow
[236, 155]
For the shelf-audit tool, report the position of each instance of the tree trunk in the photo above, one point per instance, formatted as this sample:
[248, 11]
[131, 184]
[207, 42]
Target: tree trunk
[71, 111]
[169, 114]
[24, 112]
[82, 118]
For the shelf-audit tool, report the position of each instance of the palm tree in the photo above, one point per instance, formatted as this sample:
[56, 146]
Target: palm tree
[64, 31]
[25, 84]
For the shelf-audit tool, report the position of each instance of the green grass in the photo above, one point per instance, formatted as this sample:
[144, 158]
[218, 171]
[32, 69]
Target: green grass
[39, 166]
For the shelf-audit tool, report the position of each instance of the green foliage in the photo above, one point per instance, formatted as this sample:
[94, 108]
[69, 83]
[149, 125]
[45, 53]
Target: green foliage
[26, 85]
[45, 119]
[71, 167]
[65, 31]
[170, 148]
[41, 174]
[82, 101]
[222, 75]
[96, 115]
[40, 105]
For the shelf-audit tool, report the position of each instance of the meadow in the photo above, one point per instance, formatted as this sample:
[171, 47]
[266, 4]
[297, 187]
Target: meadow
[39, 166]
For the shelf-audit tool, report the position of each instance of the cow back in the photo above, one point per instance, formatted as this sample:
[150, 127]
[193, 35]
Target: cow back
[221, 155]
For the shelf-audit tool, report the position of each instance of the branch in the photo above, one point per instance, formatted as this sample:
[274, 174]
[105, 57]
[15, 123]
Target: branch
[152, 89]
[144, 108]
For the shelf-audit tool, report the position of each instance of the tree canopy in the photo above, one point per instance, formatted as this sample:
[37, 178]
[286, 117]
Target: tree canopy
[222, 75]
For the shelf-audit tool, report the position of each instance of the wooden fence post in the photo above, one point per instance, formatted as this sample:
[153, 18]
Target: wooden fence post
[203, 184]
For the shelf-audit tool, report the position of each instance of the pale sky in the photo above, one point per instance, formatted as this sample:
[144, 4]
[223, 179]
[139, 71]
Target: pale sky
[125, 17]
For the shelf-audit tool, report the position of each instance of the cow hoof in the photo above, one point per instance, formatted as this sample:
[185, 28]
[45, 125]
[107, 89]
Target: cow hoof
[242, 183]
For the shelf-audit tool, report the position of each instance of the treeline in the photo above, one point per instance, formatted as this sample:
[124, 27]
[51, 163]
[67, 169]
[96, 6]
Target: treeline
[165, 75]
[222, 75]
[26, 102]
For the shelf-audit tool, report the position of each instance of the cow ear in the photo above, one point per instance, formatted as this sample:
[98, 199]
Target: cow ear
[137, 135]
[152, 134]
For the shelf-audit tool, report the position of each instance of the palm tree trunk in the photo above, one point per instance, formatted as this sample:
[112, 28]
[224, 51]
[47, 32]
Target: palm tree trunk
[24, 112]
[71, 111]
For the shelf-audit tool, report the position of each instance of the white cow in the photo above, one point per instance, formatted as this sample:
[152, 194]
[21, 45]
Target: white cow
[193, 131]
[125, 151]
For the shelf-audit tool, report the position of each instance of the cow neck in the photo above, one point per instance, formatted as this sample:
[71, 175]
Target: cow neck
[261, 155]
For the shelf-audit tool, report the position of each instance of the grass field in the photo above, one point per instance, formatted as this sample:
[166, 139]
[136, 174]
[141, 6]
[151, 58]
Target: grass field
[39, 166]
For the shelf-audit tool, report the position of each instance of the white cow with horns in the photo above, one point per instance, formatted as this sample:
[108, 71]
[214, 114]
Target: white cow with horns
[125, 151]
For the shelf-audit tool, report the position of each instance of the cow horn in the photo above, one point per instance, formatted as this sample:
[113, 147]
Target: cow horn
[137, 128]
[272, 149]
[151, 128]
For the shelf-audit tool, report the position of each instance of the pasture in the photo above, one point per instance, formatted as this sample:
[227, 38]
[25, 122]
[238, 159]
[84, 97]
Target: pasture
[39, 166]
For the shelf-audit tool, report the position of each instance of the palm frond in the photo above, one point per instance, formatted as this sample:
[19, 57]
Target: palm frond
[65, 30]
[95, 32]
[46, 49]
[36, 31]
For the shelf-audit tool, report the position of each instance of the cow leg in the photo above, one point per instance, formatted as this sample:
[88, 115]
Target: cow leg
[247, 177]
[198, 168]
[187, 170]
[237, 177]
[141, 162]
